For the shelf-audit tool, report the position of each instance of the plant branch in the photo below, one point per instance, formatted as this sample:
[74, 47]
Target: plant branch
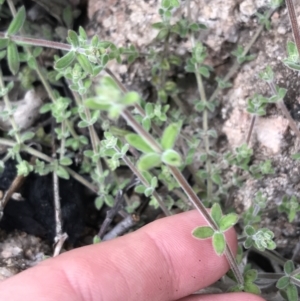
[294, 22]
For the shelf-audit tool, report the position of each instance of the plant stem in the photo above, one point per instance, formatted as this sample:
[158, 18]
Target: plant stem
[36, 42]
[294, 22]
[145, 182]
[186, 187]
[250, 131]
[285, 111]
[46, 158]
[237, 65]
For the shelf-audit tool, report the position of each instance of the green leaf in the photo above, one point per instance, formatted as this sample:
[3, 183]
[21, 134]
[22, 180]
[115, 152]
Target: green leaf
[84, 63]
[292, 292]
[73, 37]
[3, 43]
[171, 157]
[13, 58]
[17, 22]
[283, 282]
[249, 230]
[219, 243]
[228, 221]
[216, 213]
[92, 103]
[170, 135]
[148, 161]
[252, 288]
[99, 202]
[130, 98]
[27, 136]
[250, 275]
[139, 143]
[166, 3]
[65, 161]
[289, 267]
[203, 232]
[62, 173]
[65, 61]
[216, 178]
[140, 188]
[96, 239]
[162, 34]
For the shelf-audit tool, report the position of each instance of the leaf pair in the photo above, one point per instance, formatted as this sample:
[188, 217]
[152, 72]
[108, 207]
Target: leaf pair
[223, 224]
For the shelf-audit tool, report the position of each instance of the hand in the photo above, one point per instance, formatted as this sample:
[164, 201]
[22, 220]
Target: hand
[160, 262]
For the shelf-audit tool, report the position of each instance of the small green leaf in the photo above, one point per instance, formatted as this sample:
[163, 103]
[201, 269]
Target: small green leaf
[130, 98]
[162, 34]
[65, 61]
[170, 135]
[289, 267]
[62, 173]
[139, 143]
[140, 189]
[283, 282]
[3, 43]
[99, 202]
[73, 37]
[292, 292]
[65, 161]
[252, 288]
[250, 275]
[219, 243]
[249, 230]
[84, 63]
[27, 136]
[148, 161]
[92, 103]
[171, 157]
[228, 221]
[203, 232]
[216, 213]
[17, 22]
[216, 178]
[96, 239]
[13, 58]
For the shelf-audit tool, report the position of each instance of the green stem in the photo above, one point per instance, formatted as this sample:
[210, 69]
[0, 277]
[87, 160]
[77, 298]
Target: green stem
[237, 65]
[48, 159]
[37, 42]
[285, 111]
[145, 182]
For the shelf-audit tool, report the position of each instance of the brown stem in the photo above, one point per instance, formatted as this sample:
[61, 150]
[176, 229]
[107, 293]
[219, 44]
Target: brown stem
[250, 131]
[294, 22]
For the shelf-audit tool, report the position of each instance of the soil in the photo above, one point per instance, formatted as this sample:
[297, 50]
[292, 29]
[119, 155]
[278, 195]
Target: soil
[229, 23]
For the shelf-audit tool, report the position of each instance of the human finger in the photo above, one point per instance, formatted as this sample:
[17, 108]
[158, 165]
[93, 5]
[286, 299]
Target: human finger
[161, 261]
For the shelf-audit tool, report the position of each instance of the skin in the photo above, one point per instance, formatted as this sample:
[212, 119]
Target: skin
[159, 262]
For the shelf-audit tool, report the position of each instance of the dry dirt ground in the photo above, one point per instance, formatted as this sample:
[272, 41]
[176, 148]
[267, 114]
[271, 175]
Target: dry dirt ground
[229, 22]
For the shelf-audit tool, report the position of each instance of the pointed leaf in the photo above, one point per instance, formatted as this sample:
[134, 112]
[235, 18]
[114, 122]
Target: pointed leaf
[149, 161]
[171, 157]
[3, 43]
[203, 232]
[228, 221]
[92, 103]
[65, 61]
[17, 21]
[252, 288]
[283, 282]
[170, 135]
[73, 37]
[250, 275]
[13, 58]
[289, 267]
[62, 173]
[139, 143]
[219, 243]
[216, 213]
[84, 63]
[292, 292]
[130, 98]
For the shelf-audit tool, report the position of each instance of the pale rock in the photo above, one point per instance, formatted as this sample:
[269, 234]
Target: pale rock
[270, 132]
